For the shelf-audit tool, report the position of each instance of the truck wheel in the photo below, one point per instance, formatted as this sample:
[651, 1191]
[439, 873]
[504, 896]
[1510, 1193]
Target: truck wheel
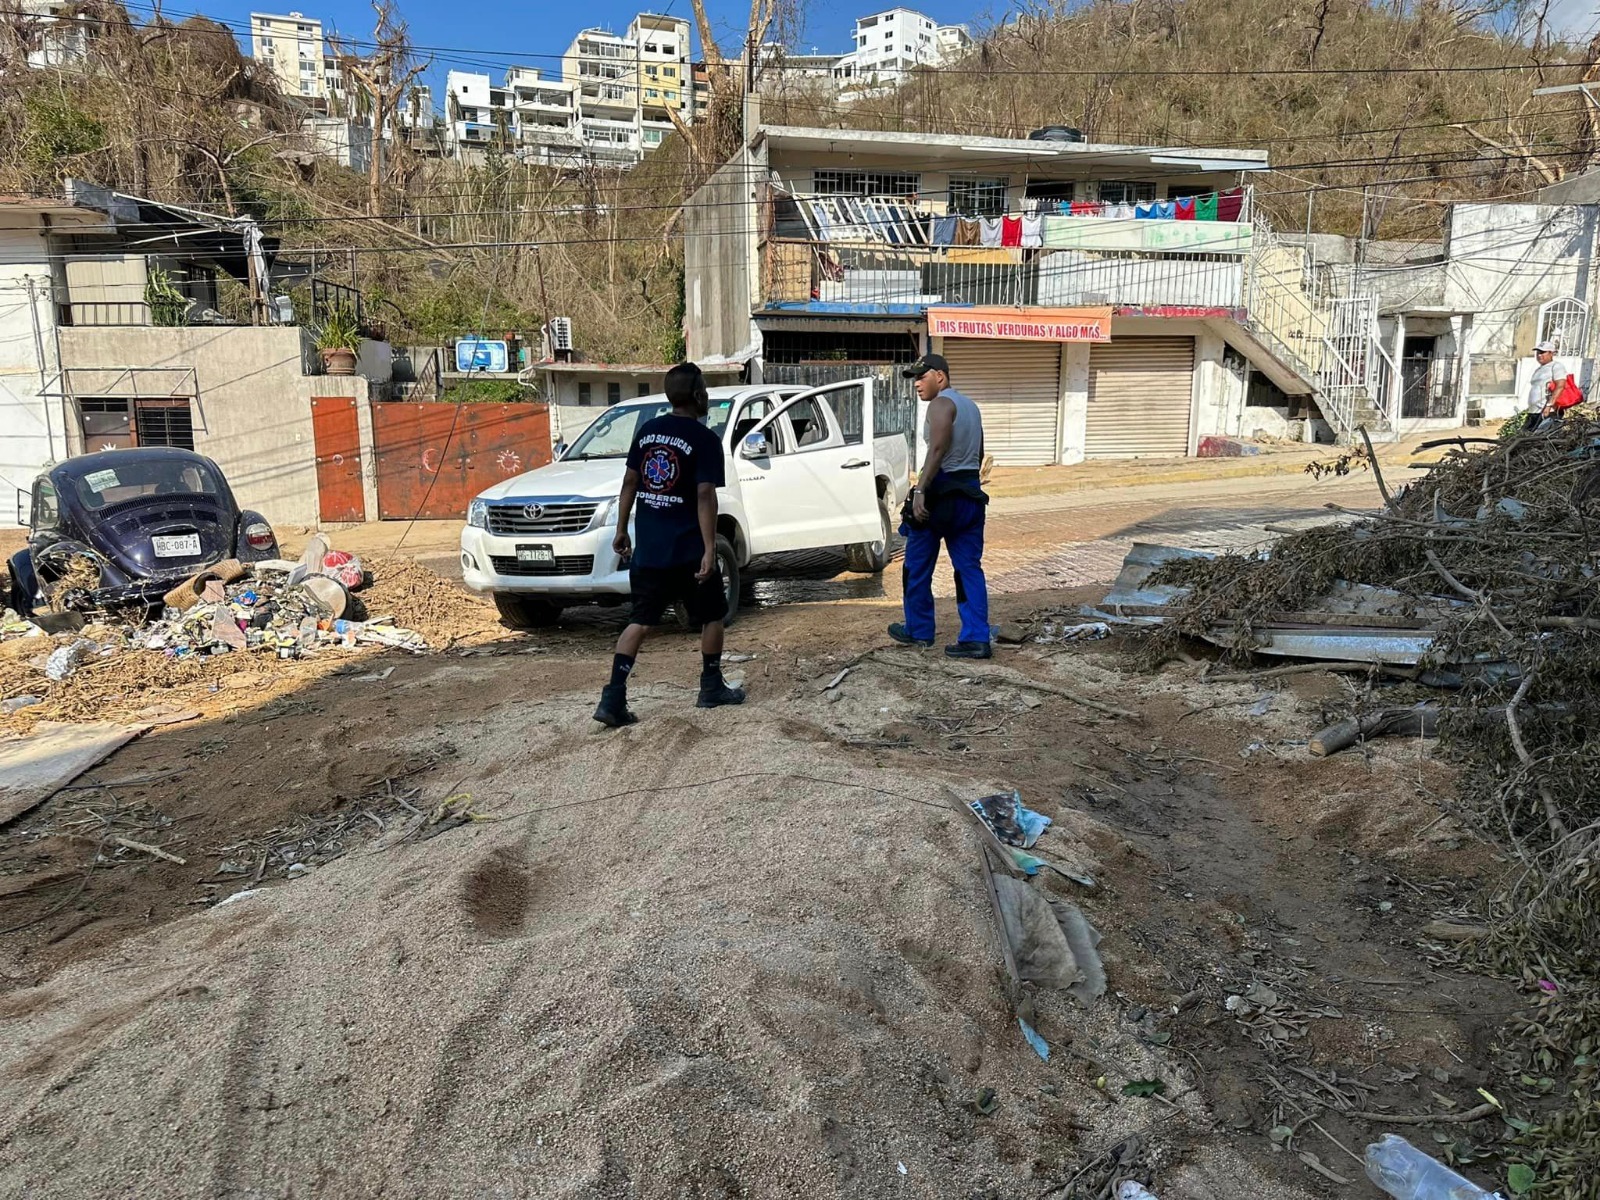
[728, 567]
[870, 558]
[526, 612]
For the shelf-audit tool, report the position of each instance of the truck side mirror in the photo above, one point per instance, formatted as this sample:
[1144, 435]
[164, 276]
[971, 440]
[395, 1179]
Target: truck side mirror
[24, 509]
[755, 446]
[560, 449]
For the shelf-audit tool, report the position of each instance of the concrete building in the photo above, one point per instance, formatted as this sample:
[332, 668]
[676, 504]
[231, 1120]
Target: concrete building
[544, 118]
[92, 356]
[889, 45]
[478, 115]
[1074, 300]
[292, 45]
[56, 33]
[346, 142]
[628, 87]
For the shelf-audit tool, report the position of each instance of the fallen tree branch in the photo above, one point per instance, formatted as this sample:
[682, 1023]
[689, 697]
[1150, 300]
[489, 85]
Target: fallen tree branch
[1377, 473]
[157, 851]
[1411, 722]
[1460, 1118]
[1360, 668]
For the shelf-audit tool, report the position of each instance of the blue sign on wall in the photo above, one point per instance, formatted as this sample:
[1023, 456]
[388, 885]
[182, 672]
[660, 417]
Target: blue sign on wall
[476, 354]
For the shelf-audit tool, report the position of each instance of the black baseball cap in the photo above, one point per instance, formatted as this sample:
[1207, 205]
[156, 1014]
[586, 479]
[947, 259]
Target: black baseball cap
[928, 362]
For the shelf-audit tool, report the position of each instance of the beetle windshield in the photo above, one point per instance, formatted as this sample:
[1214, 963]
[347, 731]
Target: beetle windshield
[137, 478]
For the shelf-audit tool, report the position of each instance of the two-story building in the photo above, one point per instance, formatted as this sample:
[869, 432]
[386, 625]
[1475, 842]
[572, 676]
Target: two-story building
[125, 322]
[1096, 300]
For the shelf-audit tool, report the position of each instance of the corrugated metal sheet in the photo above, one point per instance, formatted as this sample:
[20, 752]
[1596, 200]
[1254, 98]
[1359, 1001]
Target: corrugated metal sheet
[433, 459]
[1139, 397]
[1017, 386]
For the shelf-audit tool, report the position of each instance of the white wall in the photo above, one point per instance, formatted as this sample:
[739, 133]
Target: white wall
[31, 428]
[1504, 261]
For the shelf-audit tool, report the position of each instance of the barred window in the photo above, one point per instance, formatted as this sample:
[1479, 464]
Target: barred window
[973, 196]
[865, 183]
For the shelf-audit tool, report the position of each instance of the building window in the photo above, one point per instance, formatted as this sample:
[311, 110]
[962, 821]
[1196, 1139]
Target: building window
[163, 423]
[669, 47]
[972, 196]
[1123, 191]
[613, 393]
[644, 389]
[865, 183]
[670, 72]
[652, 137]
[584, 396]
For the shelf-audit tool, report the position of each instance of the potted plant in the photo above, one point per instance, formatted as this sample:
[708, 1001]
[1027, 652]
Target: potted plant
[338, 338]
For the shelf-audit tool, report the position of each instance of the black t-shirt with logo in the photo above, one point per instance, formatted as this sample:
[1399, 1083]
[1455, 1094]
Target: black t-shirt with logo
[674, 455]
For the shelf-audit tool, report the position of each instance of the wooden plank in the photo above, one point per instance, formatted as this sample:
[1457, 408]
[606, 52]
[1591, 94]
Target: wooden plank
[336, 435]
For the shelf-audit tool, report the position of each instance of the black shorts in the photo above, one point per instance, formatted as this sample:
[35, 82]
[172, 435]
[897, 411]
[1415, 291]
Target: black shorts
[654, 588]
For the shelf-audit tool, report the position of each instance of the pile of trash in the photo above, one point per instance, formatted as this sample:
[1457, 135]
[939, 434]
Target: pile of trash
[1471, 604]
[288, 610]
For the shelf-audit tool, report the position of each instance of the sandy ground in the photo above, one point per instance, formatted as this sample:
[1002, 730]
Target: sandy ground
[734, 953]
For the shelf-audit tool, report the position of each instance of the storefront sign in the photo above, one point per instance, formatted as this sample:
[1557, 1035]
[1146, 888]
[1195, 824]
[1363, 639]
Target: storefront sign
[1022, 324]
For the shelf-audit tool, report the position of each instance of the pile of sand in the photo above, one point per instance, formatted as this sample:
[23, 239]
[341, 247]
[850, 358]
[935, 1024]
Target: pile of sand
[759, 985]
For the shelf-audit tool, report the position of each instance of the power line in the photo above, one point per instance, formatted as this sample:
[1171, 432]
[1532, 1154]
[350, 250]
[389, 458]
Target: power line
[497, 56]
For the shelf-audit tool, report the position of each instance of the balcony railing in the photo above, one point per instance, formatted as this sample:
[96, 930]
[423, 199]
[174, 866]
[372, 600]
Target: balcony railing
[919, 276]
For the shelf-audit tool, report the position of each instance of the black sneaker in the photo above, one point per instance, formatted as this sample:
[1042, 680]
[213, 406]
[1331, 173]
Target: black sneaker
[969, 650]
[613, 711]
[898, 633]
[714, 693]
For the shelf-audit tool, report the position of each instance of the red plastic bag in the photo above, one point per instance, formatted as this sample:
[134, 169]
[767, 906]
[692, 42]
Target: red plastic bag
[345, 567]
[1568, 395]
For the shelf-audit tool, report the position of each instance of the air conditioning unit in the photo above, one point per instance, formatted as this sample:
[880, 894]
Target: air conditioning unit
[559, 335]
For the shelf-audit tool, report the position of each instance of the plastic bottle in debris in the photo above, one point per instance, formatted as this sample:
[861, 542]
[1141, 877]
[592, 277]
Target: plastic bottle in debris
[1129, 1190]
[1406, 1173]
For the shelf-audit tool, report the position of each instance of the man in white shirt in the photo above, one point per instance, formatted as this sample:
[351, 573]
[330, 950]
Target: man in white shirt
[1547, 376]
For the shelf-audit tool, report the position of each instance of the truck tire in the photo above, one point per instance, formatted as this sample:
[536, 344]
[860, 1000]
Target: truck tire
[728, 565]
[526, 612]
[870, 558]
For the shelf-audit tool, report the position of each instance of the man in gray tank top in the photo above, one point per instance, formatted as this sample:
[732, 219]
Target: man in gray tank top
[948, 505]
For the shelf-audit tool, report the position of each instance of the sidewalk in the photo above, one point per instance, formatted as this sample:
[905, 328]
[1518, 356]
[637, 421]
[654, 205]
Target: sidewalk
[1285, 458]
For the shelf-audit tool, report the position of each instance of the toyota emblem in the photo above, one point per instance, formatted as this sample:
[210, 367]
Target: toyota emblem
[533, 511]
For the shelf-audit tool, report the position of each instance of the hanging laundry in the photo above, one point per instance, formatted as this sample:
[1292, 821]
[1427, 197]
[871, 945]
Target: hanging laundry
[1032, 232]
[1230, 205]
[1120, 212]
[967, 233]
[944, 231]
[1067, 208]
[989, 231]
[1166, 210]
[1205, 207]
[1183, 208]
[1145, 211]
[1086, 208]
[1011, 231]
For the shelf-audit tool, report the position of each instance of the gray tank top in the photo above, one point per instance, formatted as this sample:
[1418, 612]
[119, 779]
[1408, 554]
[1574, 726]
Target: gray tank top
[966, 438]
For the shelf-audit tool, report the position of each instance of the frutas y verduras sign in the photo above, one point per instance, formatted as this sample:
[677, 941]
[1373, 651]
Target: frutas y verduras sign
[1022, 325]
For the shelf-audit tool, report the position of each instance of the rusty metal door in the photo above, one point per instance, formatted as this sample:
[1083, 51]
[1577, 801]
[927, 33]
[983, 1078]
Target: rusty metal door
[337, 438]
[432, 459]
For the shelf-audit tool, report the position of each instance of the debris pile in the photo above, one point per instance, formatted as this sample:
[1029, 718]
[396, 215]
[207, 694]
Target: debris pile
[1472, 604]
[275, 609]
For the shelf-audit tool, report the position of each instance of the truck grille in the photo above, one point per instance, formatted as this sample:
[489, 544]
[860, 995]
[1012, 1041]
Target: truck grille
[571, 564]
[506, 519]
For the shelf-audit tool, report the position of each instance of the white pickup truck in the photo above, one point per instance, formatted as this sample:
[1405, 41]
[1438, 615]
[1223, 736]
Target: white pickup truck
[797, 480]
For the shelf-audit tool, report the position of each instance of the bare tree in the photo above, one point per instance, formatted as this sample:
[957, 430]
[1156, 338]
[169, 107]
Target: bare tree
[384, 76]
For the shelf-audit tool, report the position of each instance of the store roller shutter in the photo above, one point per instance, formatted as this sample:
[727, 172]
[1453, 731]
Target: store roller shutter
[1017, 387]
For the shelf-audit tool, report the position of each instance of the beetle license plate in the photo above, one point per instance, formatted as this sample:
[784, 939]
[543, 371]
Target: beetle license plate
[535, 554]
[177, 545]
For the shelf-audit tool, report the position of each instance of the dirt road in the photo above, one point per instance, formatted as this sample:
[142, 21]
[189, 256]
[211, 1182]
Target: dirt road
[737, 953]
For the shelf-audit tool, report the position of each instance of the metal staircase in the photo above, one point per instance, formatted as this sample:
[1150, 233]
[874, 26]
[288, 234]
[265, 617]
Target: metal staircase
[1331, 342]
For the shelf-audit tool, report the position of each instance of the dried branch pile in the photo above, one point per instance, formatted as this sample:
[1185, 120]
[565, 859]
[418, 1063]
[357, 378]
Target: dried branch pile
[1511, 535]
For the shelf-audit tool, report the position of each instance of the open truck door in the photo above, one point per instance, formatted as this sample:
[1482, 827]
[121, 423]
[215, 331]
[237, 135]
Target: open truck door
[806, 476]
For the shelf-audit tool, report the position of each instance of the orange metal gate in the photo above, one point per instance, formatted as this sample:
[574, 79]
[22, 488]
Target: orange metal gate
[337, 438]
[432, 459]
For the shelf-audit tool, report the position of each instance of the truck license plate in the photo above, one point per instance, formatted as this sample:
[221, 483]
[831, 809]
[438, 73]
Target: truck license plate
[535, 554]
[178, 545]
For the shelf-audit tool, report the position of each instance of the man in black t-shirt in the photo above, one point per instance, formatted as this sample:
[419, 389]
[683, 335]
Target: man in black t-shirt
[675, 467]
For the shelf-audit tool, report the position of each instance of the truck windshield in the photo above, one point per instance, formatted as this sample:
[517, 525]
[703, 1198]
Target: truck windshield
[613, 430]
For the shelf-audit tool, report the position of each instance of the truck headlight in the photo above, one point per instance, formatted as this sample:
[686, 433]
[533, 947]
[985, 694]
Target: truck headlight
[605, 516]
[478, 514]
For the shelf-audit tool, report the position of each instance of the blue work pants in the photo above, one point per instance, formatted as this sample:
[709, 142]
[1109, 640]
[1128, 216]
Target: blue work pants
[961, 531]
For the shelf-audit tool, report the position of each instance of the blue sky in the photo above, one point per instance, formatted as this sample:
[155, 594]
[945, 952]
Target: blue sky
[493, 34]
